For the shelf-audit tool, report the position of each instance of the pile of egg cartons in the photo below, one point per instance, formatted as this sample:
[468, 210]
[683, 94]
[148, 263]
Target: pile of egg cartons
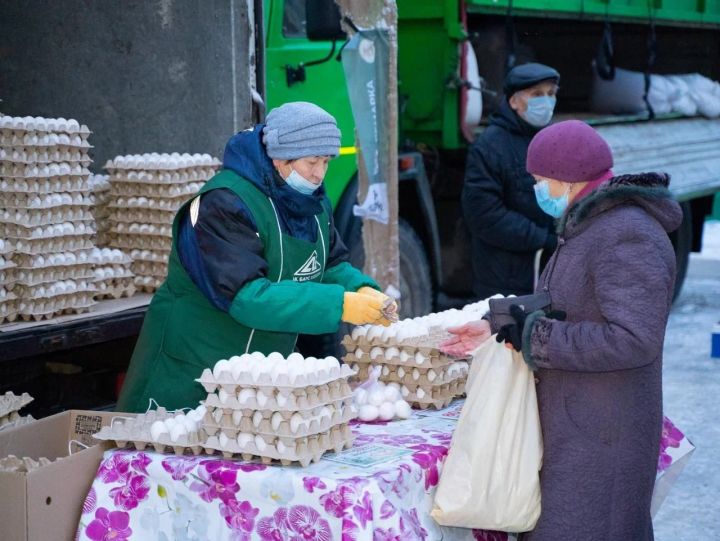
[289, 410]
[10, 406]
[113, 277]
[45, 213]
[100, 188]
[160, 429]
[408, 355]
[8, 300]
[146, 192]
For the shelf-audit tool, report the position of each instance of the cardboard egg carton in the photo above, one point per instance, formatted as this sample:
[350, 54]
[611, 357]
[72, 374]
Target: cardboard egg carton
[64, 229]
[143, 216]
[437, 397]
[6, 264]
[159, 256]
[16, 124]
[156, 191]
[66, 258]
[141, 229]
[33, 247]
[286, 426]
[115, 288]
[139, 242]
[304, 451]
[37, 276]
[45, 217]
[110, 256]
[148, 284]
[179, 176]
[150, 268]
[305, 399]
[159, 162]
[11, 463]
[44, 155]
[10, 139]
[15, 419]
[171, 204]
[408, 357]
[8, 311]
[40, 171]
[42, 309]
[283, 385]
[136, 432]
[7, 248]
[110, 272]
[54, 289]
[41, 189]
[45, 201]
[11, 402]
[413, 376]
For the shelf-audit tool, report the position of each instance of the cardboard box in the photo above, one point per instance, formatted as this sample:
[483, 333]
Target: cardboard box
[45, 504]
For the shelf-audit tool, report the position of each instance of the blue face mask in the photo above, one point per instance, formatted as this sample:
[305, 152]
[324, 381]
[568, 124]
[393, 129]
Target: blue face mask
[540, 111]
[298, 182]
[554, 206]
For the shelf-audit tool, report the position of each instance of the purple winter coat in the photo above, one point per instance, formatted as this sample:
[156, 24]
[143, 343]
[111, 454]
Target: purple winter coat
[600, 371]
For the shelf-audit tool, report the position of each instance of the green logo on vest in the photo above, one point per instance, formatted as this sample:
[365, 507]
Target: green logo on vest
[310, 270]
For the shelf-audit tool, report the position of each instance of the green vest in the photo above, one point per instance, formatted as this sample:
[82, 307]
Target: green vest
[183, 333]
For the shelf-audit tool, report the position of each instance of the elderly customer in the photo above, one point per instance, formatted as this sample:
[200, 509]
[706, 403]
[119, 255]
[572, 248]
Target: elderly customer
[599, 372]
[506, 226]
[255, 260]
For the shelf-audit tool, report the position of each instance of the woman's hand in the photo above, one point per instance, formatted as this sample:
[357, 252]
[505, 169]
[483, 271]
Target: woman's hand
[466, 338]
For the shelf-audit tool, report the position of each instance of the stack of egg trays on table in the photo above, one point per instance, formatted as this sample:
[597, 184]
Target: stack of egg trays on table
[146, 192]
[427, 377]
[174, 431]
[8, 300]
[100, 187]
[10, 406]
[113, 277]
[288, 410]
[45, 215]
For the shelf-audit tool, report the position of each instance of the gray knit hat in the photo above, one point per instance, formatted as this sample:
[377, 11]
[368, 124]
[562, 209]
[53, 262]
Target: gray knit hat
[299, 129]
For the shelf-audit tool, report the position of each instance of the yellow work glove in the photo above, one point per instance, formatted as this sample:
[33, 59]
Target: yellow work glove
[360, 309]
[390, 307]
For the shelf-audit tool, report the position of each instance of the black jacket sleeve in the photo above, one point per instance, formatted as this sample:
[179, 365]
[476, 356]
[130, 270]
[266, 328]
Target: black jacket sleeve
[485, 210]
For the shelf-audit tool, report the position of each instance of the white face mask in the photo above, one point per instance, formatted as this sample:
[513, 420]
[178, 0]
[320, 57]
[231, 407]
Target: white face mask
[298, 182]
[539, 111]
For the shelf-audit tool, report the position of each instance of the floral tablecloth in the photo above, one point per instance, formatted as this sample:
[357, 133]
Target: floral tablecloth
[381, 490]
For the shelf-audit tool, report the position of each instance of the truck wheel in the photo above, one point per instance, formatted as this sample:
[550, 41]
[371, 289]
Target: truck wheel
[682, 243]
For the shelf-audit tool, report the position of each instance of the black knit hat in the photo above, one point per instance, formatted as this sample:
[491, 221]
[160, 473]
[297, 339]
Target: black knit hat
[527, 75]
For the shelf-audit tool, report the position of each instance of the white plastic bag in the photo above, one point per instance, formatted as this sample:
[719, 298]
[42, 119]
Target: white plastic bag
[490, 479]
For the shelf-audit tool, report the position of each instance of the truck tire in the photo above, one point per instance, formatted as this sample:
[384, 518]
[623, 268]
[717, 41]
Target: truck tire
[682, 240]
[415, 286]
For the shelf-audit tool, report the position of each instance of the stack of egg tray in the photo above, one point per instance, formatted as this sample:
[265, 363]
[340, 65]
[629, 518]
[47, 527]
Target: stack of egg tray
[8, 300]
[135, 431]
[427, 377]
[278, 421]
[146, 191]
[100, 186]
[10, 406]
[113, 277]
[45, 216]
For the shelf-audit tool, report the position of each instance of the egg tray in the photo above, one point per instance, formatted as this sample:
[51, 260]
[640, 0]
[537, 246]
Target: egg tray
[406, 358]
[6, 247]
[135, 229]
[33, 292]
[37, 218]
[302, 400]
[261, 423]
[30, 155]
[48, 201]
[34, 277]
[139, 242]
[414, 376]
[19, 171]
[11, 402]
[142, 216]
[282, 386]
[148, 284]
[103, 257]
[136, 431]
[11, 139]
[14, 231]
[158, 256]
[19, 124]
[150, 268]
[11, 463]
[43, 188]
[437, 398]
[107, 271]
[7, 277]
[8, 317]
[6, 294]
[53, 245]
[33, 311]
[156, 191]
[54, 259]
[176, 176]
[6, 264]
[364, 345]
[169, 204]
[116, 289]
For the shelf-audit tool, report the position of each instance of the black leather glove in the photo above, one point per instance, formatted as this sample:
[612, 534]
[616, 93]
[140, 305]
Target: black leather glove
[513, 333]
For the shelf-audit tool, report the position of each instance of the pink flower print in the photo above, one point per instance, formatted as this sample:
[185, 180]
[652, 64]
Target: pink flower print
[386, 535]
[115, 468]
[387, 510]
[90, 502]
[306, 524]
[395, 480]
[240, 517]
[248, 467]
[410, 527]
[363, 510]
[134, 491]
[488, 535]
[311, 483]
[274, 528]
[140, 462]
[219, 483]
[109, 526]
[337, 501]
[179, 466]
[349, 530]
[670, 437]
[428, 457]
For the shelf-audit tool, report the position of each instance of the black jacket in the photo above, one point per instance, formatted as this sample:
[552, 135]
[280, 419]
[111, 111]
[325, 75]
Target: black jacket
[506, 225]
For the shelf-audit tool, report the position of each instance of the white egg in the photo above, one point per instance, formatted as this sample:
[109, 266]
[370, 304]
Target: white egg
[257, 418]
[405, 356]
[420, 358]
[376, 397]
[420, 393]
[170, 423]
[157, 429]
[391, 394]
[262, 398]
[358, 332]
[224, 396]
[237, 416]
[177, 432]
[260, 443]
[295, 357]
[224, 440]
[360, 397]
[246, 395]
[368, 412]
[238, 370]
[276, 420]
[402, 409]
[432, 375]
[374, 332]
[220, 368]
[386, 411]
[416, 374]
[296, 421]
[244, 439]
[404, 391]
